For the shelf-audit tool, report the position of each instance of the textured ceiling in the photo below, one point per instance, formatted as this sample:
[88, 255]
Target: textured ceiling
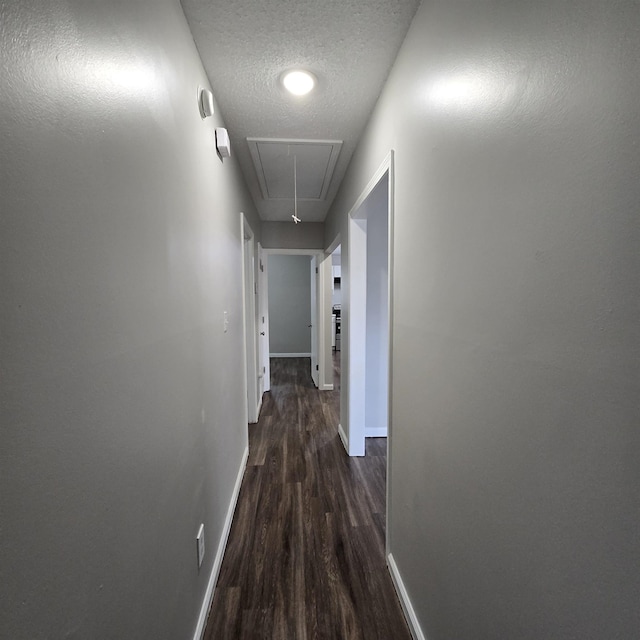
[245, 46]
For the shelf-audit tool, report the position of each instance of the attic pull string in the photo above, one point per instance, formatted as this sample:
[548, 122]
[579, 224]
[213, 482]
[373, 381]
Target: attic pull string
[295, 191]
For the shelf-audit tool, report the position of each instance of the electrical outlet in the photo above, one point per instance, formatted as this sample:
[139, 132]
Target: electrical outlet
[200, 545]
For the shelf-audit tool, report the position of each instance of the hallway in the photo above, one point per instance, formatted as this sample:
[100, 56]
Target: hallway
[510, 133]
[305, 557]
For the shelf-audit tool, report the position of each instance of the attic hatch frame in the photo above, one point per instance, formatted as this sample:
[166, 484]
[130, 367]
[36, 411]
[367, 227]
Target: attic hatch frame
[255, 144]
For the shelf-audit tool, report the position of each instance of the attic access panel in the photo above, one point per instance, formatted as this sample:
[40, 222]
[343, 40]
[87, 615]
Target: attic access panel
[273, 161]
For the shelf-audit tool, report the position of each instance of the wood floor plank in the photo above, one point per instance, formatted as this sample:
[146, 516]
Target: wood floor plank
[305, 557]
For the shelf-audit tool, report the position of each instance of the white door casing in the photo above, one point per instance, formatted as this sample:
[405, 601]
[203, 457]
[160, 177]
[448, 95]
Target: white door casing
[356, 330]
[249, 321]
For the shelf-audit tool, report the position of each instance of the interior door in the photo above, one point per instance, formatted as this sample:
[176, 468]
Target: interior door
[264, 372]
[314, 321]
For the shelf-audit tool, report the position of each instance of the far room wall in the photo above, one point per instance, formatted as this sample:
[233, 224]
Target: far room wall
[289, 305]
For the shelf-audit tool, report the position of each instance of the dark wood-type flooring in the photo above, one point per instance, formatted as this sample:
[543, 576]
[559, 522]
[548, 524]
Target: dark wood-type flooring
[305, 557]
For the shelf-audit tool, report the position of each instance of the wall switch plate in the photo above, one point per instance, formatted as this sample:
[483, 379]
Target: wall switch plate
[200, 545]
[225, 322]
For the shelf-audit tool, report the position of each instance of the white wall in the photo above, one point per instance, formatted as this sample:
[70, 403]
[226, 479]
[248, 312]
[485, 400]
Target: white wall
[289, 304]
[515, 446]
[336, 290]
[122, 401]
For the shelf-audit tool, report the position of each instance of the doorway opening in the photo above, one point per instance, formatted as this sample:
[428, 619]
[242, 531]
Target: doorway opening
[296, 308]
[366, 327]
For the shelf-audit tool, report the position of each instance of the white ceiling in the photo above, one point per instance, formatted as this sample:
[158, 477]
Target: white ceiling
[245, 46]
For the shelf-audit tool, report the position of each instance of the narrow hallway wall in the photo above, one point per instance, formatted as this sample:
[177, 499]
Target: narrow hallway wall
[377, 326]
[122, 399]
[515, 448]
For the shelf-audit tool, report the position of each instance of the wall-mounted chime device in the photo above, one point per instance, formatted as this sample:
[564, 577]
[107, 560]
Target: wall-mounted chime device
[222, 142]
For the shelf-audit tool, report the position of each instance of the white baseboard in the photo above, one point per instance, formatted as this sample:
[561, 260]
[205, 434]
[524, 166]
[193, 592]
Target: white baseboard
[343, 437]
[289, 355]
[217, 563]
[376, 432]
[407, 607]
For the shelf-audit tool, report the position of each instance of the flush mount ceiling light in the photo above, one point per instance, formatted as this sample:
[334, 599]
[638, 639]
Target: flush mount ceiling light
[298, 82]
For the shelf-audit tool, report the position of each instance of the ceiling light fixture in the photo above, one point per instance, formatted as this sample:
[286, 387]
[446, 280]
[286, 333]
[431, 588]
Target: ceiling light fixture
[298, 82]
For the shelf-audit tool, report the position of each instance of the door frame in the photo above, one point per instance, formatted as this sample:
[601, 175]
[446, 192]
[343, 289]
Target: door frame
[314, 276]
[352, 398]
[264, 366]
[323, 312]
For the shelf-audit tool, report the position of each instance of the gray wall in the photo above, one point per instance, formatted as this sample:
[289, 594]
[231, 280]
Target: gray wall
[375, 208]
[289, 304]
[287, 235]
[122, 402]
[515, 448]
